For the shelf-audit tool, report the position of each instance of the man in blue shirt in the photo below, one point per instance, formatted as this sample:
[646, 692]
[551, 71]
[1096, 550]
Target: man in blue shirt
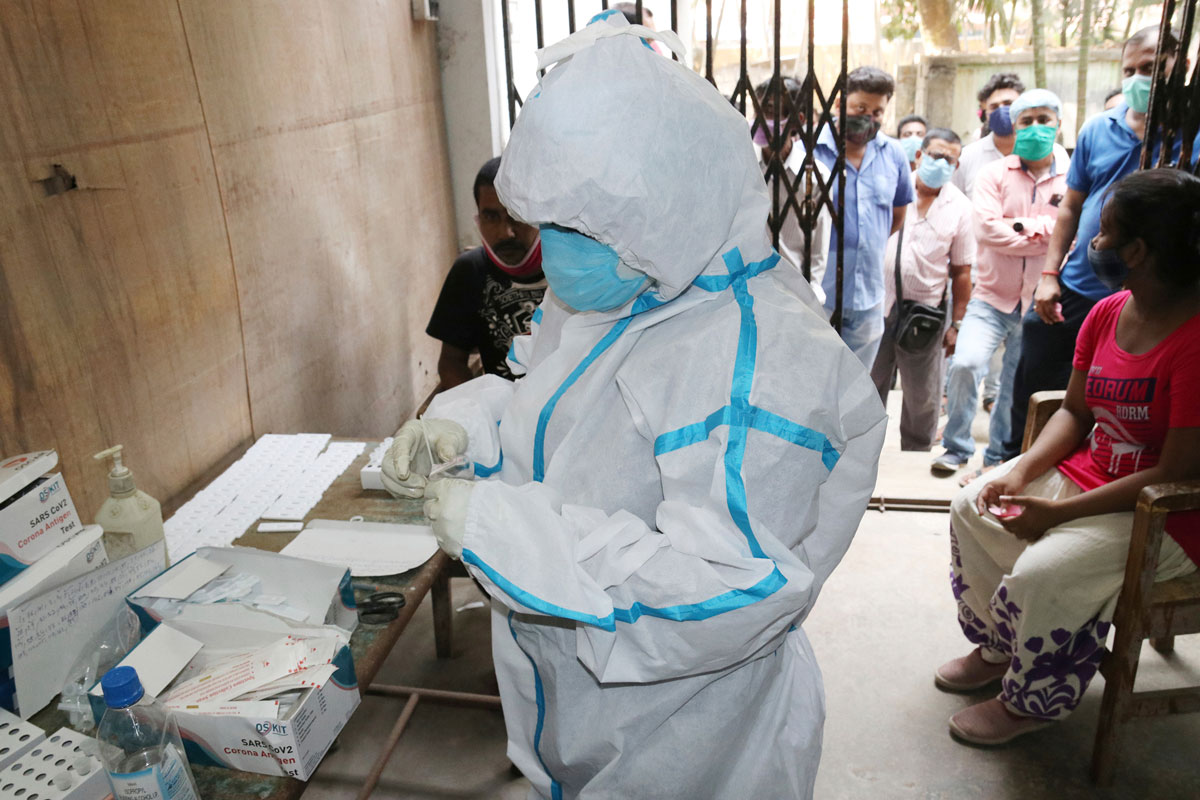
[878, 190]
[1108, 148]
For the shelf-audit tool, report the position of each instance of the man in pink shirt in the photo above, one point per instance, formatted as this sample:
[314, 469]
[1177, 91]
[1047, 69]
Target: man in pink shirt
[937, 247]
[1016, 205]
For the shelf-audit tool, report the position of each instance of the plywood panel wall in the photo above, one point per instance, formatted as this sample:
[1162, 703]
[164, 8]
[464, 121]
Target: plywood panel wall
[118, 317]
[332, 166]
[260, 227]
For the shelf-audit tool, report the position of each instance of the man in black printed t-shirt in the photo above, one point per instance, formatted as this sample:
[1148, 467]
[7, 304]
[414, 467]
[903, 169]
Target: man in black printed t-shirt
[491, 292]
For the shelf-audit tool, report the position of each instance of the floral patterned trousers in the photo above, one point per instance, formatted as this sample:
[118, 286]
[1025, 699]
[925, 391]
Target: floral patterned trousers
[1044, 608]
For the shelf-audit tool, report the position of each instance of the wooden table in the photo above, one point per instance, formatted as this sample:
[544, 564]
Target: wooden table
[370, 644]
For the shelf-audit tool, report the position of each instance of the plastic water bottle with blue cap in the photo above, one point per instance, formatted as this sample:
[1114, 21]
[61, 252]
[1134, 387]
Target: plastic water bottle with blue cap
[144, 754]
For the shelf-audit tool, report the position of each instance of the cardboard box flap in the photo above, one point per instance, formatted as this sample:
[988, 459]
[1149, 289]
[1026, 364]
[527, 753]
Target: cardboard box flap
[315, 594]
[18, 472]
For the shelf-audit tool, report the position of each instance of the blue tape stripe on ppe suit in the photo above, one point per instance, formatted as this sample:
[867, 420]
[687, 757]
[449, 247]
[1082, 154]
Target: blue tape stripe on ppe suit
[537, 315]
[739, 398]
[540, 697]
[486, 472]
[739, 415]
[740, 412]
[539, 436]
[646, 301]
[754, 417]
[728, 601]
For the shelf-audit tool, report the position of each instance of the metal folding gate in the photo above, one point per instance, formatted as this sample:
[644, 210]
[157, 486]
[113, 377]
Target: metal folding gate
[802, 195]
[1174, 111]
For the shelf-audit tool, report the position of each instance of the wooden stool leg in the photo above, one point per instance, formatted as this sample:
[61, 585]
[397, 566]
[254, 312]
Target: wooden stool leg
[1163, 644]
[442, 624]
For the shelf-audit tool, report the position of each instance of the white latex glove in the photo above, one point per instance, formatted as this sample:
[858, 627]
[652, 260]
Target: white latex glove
[446, 503]
[416, 447]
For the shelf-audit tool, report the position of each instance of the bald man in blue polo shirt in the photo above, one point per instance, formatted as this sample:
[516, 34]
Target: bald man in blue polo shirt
[878, 191]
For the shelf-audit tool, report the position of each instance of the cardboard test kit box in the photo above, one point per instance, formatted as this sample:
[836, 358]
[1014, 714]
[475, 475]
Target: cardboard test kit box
[36, 512]
[321, 602]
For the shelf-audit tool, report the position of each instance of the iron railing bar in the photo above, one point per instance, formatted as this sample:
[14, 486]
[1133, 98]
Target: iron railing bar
[1175, 82]
[812, 209]
[777, 136]
[674, 23]
[571, 16]
[1192, 121]
[1179, 76]
[537, 21]
[1157, 87]
[508, 64]
[744, 72]
[708, 43]
[840, 169]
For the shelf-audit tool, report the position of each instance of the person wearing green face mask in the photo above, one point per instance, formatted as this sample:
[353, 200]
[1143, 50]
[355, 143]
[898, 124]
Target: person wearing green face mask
[1016, 205]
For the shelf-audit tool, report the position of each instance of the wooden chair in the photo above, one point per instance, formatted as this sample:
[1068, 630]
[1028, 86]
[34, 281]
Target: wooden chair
[1145, 609]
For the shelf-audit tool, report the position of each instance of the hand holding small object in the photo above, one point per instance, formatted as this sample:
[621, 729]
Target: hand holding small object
[1034, 516]
[446, 502]
[417, 448]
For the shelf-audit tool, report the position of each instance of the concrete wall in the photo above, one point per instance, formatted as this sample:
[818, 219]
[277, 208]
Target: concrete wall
[471, 60]
[259, 223]
[943, 88]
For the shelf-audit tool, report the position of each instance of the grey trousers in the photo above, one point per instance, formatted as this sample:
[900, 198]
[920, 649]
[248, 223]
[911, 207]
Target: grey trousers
[921, 381]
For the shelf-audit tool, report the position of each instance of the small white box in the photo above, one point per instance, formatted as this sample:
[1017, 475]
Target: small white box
[36, 511]
[370, 474]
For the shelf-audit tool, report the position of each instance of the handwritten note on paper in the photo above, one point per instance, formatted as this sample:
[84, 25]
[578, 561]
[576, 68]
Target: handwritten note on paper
[50, 631]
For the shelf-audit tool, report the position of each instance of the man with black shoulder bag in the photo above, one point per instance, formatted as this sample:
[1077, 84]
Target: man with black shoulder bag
[929, 268]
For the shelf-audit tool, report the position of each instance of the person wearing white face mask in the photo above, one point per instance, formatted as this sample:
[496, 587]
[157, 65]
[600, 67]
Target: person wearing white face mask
[936, 248]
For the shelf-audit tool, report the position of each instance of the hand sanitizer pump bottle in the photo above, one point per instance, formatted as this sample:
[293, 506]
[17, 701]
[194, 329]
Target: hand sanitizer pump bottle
[140, 743]
[132, 519]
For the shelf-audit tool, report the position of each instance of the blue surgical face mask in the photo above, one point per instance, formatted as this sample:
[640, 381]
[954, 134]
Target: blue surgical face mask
[934, 172]
[1110, 268]
[585, 274]
[910, 145]
[999, 122]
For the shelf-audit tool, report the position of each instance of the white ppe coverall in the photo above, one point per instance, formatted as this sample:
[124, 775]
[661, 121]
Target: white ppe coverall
[671, 481]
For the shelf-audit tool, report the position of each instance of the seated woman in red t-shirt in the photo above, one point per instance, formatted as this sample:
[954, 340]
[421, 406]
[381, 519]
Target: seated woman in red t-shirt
[1038, 546]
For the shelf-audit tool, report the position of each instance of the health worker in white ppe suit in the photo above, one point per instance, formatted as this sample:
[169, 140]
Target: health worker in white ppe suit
[683, 463]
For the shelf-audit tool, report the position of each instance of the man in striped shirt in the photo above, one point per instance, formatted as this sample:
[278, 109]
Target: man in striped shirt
[937, 247]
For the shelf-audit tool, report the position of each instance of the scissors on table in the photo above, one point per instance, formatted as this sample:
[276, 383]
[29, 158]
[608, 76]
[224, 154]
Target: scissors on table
[380, 608]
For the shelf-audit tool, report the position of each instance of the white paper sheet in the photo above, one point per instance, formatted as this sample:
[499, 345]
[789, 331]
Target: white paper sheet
[160, 656]
[50, 630]
[179, 583]
[367, 548]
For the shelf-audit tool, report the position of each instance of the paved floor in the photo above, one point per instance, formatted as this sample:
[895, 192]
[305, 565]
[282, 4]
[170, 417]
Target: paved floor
[884, 621]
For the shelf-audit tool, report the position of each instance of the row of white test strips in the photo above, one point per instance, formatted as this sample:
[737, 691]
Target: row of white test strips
[288, 468]
[299, 499]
